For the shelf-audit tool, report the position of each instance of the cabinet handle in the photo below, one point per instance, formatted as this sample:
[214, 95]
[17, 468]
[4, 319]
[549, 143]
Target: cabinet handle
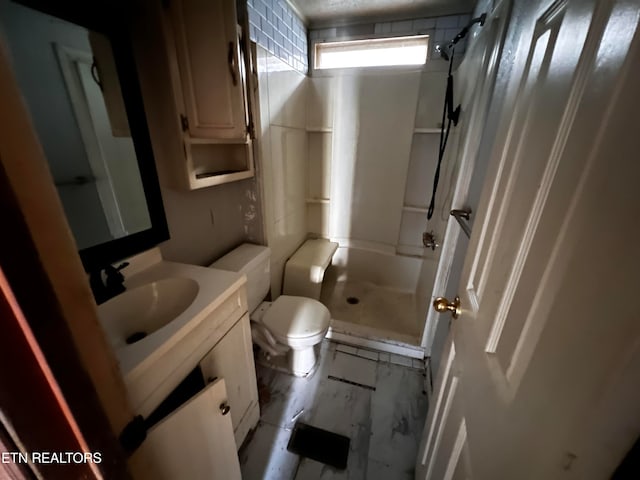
[225, 408]
[232, 64]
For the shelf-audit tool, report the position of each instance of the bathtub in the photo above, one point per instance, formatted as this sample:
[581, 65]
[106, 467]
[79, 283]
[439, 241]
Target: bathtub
[380, 297]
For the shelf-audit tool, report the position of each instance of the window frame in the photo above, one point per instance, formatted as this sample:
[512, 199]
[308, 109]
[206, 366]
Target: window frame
[314, 71]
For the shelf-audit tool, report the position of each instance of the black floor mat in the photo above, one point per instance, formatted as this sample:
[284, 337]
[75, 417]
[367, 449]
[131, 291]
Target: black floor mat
[320, 445]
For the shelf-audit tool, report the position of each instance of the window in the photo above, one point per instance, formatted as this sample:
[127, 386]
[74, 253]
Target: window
[377, 52]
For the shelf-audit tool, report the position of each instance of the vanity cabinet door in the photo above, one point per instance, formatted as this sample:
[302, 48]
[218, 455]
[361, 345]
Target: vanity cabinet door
[206, 41]
[195, 442]
[232, 359]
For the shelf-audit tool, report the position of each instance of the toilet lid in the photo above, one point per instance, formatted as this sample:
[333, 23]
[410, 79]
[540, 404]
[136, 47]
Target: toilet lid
[296, 317]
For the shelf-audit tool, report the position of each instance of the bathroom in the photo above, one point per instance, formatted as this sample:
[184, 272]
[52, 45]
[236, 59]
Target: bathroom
[236, 242]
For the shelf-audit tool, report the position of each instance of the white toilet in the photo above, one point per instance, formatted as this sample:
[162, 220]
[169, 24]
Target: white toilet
[290, 325]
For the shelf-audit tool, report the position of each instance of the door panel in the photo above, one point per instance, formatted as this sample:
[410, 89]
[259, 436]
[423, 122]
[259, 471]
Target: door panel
[474, 88]
[196, 441]
[545, 341]
[207, 50]
[232, 359]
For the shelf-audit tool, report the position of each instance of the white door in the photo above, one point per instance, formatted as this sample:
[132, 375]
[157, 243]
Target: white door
[474, 91]
[539, 378]
[195, 442]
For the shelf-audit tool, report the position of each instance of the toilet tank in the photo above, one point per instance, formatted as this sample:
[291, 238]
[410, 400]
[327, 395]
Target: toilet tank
[253, 261]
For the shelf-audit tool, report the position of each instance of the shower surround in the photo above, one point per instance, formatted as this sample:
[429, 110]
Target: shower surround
[371, 139]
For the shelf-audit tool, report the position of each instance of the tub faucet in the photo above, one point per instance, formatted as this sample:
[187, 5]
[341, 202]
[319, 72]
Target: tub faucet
[107, 287]
[429, 240]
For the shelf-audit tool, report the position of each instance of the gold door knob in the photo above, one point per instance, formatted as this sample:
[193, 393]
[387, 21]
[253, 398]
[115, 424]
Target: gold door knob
[442, 305]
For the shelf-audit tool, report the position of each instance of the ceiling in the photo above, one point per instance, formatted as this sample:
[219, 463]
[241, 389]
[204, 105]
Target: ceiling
[341, 12]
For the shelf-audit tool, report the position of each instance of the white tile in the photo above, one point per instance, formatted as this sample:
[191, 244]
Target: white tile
[347, 349]
[451, 33]
[375, 124]
[327, 33]
[398, 413]
[401, 26]
[450, 21]
[384, 425]
[320, 102]
[433, 86]
[382, 471]
[288, 395]
[463, 20]
[328, 346]
[422, 166]
[319, 169]
[277, 272]
[400, 360]
[318, 219]
[412, 226]
[266, 455]
[287, 93]
[346, 410]
[368, 354]
[353, 369]
[424, 23]
[288, 165]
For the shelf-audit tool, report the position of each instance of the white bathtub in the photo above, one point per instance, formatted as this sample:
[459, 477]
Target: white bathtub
[383, 269]
[378, 300]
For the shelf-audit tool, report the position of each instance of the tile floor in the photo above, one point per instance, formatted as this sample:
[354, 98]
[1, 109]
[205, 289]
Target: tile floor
[383, 418]
[380, 308]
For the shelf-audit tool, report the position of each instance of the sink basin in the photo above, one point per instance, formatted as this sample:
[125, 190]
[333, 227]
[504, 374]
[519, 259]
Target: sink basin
[137, 313]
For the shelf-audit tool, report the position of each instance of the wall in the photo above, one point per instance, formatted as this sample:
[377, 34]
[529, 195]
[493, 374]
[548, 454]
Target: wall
[371, 144]
[207, 223]
[276, 27]
[283, 159]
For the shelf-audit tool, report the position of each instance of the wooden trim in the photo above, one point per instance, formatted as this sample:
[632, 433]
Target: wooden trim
[47, 395]
[30, 399]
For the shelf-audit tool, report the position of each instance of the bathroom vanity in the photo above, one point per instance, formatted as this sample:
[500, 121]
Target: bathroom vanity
[192, 377]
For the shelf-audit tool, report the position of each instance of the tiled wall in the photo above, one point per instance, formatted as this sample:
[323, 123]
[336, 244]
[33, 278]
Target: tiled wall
[283, 159]
[276, 27]
[441, 30]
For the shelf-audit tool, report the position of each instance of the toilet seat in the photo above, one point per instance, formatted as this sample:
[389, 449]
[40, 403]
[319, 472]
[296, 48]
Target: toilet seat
[296, 318]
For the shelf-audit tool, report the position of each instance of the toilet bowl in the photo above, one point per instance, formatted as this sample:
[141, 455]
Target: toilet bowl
[290, 325]
[297, 323]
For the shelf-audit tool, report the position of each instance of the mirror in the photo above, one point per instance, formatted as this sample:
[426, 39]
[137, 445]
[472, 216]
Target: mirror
[80, 86]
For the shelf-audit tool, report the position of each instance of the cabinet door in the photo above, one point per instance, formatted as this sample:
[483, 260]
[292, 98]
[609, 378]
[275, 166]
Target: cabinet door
[206, 41]
[232, 359]
[196, 441]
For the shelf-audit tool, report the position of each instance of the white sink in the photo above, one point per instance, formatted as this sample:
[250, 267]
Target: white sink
[163, 325]
[137, 313]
